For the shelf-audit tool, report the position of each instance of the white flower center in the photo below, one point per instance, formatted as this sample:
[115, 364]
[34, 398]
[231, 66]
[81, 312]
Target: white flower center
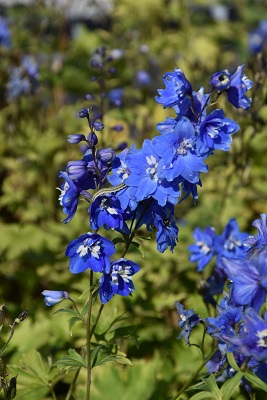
[84, 249]
[185, 145]
[262, 335]
[152, 169]
[63, 192]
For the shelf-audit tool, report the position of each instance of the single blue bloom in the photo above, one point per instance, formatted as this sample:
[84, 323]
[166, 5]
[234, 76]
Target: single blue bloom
[167, 230]
[187, 320]
[252, 342]
[90, 251]
[221, 80]
[75, 138]
[69, 197]
[258, 242]
[116, 96]
[190, 188]
[249, 280]
[212, 286]
[106, 210]
[230, 243]
[227, 321]
[235, 86]
[143, 78]
[177, 151]
[204, 248]
[144, 180]
[118, 279]
[215, 132]
[177, 87]
[4, 33]
[52, 297]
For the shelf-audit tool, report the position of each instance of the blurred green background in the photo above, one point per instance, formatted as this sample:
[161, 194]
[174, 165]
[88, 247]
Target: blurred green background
[200, 37]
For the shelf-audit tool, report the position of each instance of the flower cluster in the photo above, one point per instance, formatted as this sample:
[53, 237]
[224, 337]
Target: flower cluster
[239, 326]
[138, 187]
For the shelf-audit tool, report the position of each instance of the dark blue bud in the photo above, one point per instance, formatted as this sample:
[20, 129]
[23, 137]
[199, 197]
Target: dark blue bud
[76, 169]
[92, 139]
[98, 125]
[94, 63]
[117, 128]
[75, 138]
[112, 70]
[106, 155]
[84, 113]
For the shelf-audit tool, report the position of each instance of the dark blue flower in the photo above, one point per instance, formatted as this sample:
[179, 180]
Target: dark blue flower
[221, 80]
[235, 86]
[69, 197]
[249, 279]
[167, 230]
[118, 279]
[204, 248]
[257, 38]
[52, 297]
[177, 87]
[226, 322]
[106, 210]
[90, 251]
[230, 243]
[75, 138]
[258, 242]
[252, 342]
[187, 320]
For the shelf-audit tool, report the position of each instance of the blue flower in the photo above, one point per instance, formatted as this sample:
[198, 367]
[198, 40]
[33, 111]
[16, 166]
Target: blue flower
[252, 341]
[204, 248]
[258, 242]
[226, 322]
[167, 231]
[187, 320]
[90, 251]
[118, 279]
[4, 32]
[249, 277]
[144, 179]
[235, 86]
[216, 131]
[178, 155]
[106, 210]
[177, 87]
[221, 80]
[69, 197]
[52, 297]
[230, 243]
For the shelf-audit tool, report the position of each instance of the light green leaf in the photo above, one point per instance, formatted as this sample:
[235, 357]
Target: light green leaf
[72, 322]
[68, 311]
[204, 396]
[232, 361]
[231, 385]
[72, 361]
[139, 247]
[212, 384]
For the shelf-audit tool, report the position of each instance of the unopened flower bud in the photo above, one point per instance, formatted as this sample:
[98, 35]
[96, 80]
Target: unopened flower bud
[54, 296]
[106, 155]
[75, 138]
[98, 125]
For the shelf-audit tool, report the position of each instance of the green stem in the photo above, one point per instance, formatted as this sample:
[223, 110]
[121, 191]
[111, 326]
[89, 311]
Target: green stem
[188, 383]
[71, 388]
[88, 337]
[96, 320]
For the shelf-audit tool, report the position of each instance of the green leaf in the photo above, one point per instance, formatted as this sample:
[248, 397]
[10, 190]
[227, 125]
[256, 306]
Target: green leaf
[139, 247]
[72, 361]
[212, 384]
[231, 385]
[259, 384]
[203, 396]
[72, 322]
[232, 361]
[68, 311]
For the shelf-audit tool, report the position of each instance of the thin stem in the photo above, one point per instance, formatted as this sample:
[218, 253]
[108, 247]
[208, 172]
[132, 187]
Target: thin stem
[10, 337]
[188, 383]
[53, 393]
[88, 336]
[96, 320]
[71, 388]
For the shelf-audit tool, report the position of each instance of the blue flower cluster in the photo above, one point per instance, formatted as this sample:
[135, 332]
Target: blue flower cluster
[240, 326]
[142, 186]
